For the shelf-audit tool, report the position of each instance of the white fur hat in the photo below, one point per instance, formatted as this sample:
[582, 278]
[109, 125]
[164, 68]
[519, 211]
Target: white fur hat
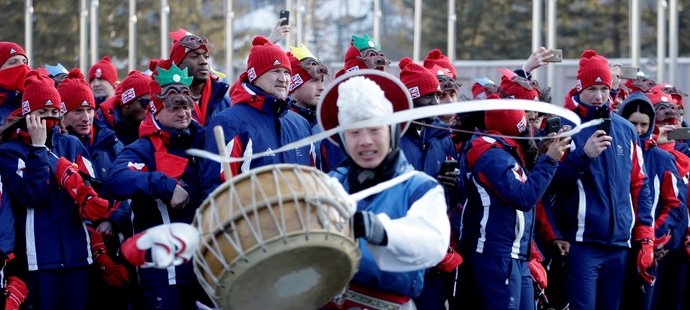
[360, 99]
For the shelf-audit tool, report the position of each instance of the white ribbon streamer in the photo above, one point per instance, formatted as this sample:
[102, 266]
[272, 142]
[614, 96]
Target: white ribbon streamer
[418, 113]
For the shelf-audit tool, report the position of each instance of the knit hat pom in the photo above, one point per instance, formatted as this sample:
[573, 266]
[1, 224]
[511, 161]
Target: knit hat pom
[153, 63]
[404, 62]
[589, 54]
[75, 73]
[435, 54]
[356, 91]
[259, 40]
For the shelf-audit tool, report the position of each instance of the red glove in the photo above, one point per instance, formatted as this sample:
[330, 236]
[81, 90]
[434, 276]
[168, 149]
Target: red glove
[538, 273]
[645, 258]
[168, 245]
[91, 207]
[15, 293]
[450, 261]
[114, 275]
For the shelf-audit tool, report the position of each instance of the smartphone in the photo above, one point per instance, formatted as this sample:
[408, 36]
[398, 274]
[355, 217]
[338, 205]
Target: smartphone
[448, 166]
[553, 125]
[286, 15]
[557, 56]
[682, 133]
[629, 73]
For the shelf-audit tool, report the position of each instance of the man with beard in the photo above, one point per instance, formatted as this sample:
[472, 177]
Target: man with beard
[103, 79]
[13, 68]
[498, 218]
[191, 52]
[599, 200]
[124, 112]
[363, 53]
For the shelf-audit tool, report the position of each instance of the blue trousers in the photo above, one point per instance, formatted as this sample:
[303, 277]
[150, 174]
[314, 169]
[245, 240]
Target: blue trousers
[173, 297]
[596, 276]
[58, 289]
[496, 283]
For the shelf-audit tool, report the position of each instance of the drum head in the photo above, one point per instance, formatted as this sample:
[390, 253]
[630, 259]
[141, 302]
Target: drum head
[299, 274]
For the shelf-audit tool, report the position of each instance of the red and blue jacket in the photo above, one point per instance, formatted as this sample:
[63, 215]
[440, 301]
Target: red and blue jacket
[211, 102]
[498, 218]
[49, 232]
[667, 189]
[148, 176]
[600, 200]
[257, 122]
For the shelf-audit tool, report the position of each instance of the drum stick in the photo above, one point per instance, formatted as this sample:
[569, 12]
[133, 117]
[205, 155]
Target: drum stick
[220, 143]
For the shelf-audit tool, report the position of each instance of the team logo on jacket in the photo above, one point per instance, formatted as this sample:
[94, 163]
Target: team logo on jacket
[619, 150]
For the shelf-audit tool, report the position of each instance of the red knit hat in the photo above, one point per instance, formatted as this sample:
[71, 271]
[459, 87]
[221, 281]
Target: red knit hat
[264, 57]
[75, 92]
[135, 85]
[185, 42]
[9, 49]
[418, 80]
[594, 70]
[657, 96]
[516, 87]
[435, 57]
[103, 69]
[479, 88]
[357, 45]
[39, 92]
[304, 66]
[507, 122]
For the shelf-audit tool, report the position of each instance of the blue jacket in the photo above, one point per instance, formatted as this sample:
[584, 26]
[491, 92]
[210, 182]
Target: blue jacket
[256, 123]
[109, 115]
[134, 176]
[667, 189]
[616, 194]
[6, 226]
[49, 232]
[403, 195]
[428, 152]
[12, 101]
[498, 219]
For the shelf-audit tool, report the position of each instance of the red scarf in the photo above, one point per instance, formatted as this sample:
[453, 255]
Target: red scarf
[171, 165]
[13, 78]
[201, 107]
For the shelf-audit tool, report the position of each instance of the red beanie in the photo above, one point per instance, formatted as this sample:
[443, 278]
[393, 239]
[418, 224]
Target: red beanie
[39, 92]
[75, 92]
[305, 66]
[357, 45]
[507, 122]
[103, 69]
[435, 57]
[418, 80]
[185, 42]
[512, 86]
[264, 57]
[135, 85]
[8, 50]
[657, 96]
[594, 70]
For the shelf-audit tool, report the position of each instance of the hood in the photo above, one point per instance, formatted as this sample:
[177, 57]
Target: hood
[638, 101]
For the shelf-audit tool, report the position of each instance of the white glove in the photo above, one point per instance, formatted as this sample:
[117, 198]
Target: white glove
[170, 245]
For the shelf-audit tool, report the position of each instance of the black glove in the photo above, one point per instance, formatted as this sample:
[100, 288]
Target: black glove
[369, 227]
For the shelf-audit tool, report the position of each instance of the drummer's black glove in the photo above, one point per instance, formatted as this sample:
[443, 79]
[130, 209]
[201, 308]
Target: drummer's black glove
[369, 227]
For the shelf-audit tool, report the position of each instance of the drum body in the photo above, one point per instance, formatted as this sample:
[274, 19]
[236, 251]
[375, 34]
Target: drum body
[275, 237]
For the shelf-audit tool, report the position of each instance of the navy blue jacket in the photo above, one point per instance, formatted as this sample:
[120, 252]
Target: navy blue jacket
[49, 232]
[134, 176]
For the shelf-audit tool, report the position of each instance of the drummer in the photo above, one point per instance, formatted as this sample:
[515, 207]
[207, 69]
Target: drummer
[163, 183]
[403, 229]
